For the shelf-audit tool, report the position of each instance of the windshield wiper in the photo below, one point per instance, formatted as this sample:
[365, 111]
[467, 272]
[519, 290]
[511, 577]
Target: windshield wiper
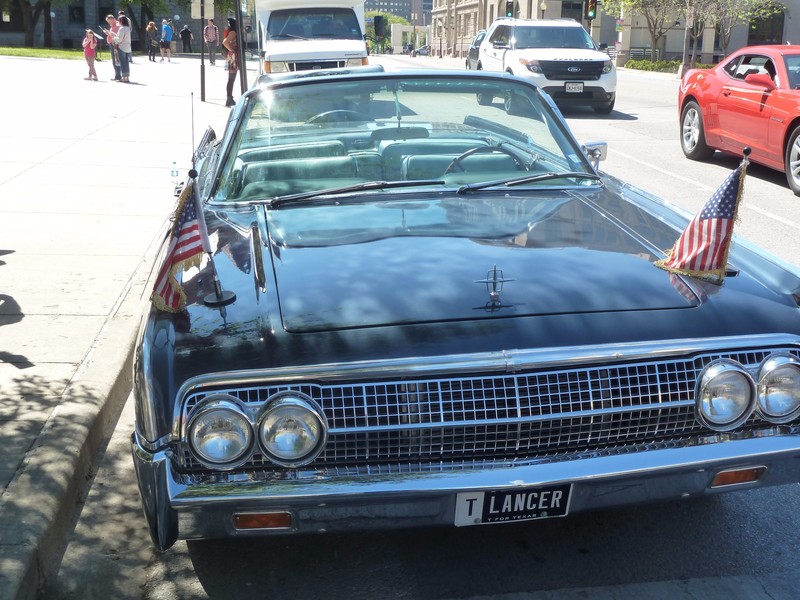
[471, 187]
[358, 187]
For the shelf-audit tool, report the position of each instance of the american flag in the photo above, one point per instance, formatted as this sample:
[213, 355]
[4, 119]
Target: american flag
[188, 241]
[702, 248]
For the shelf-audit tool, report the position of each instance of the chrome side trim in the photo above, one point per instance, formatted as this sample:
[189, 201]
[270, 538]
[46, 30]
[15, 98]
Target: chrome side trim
[508, 361]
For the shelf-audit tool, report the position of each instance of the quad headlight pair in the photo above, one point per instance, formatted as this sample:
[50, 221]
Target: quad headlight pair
[727, 394]
[290, 429]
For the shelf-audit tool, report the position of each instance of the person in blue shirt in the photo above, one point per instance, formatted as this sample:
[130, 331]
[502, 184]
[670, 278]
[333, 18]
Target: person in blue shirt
[166, 40]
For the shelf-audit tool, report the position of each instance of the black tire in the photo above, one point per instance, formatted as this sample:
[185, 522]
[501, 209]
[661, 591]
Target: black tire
[467, 61]
[485, 99]
[791, 161]
[605, 109]
[693, 135]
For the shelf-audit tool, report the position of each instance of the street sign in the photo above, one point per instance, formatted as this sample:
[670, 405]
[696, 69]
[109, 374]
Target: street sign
[209, 9]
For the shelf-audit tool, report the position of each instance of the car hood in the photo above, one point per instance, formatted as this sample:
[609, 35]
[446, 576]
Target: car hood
[562, 54]
[437, 260]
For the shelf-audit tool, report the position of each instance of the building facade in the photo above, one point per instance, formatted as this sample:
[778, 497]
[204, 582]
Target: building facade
[454, 23]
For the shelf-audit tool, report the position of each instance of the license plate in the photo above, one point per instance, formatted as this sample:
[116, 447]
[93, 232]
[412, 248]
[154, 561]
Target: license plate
[520, 504]
[573, 87]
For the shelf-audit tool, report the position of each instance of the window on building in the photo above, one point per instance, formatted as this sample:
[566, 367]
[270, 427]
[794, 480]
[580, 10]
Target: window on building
[12, 19]
[77, 15]
[766, 31]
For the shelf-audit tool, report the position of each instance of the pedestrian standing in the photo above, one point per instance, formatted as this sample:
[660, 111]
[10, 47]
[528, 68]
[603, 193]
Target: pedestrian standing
[153, 40]
[224, 50]
[186, 38]
[113, 27]
[89, 53]
[123, 41]
[166, 40]
[231, 44]
[211, 38]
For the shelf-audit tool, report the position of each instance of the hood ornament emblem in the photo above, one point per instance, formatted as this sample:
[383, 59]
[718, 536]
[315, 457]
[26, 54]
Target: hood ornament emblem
[494, 283]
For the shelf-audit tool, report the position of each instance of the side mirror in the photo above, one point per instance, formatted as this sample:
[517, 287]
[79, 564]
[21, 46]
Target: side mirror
[595, 152]
[500, 46]
[603, 46]
[761, 80]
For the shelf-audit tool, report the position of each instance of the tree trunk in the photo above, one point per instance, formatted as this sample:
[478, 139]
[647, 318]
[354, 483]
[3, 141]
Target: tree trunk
[48, 25]
[28, 23]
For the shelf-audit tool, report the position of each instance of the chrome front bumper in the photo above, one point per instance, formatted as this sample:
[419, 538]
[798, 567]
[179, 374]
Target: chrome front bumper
[175, 509]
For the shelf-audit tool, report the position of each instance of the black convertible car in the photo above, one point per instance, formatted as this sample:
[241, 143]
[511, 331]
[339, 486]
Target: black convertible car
[411, 299]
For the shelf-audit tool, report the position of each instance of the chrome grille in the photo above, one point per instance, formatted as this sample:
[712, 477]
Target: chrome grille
[504, 417]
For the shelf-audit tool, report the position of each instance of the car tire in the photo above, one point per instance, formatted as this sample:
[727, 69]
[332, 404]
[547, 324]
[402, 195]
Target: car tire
[693, 136]
[485, 99]
[791, 161]
[605, 109]
[510, 105]
[467, 61]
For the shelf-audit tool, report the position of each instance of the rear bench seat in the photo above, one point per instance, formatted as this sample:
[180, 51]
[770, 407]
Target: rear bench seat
[306, 150]
[433, 166]
[290, 176]
[393, 152]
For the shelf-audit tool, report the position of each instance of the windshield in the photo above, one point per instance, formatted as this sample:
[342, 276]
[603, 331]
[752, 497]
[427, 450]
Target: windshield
[311, 23]
[793, 68]
[552, 37]
[396, 134]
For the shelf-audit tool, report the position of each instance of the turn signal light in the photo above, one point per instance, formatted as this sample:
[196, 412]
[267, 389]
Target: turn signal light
[274, 520]
[738, 476]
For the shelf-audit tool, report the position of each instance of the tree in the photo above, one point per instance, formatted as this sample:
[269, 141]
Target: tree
[658, 14]
[388, 19]
[727, 14]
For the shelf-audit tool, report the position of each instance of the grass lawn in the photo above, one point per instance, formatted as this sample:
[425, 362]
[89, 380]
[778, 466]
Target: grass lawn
[42, 52]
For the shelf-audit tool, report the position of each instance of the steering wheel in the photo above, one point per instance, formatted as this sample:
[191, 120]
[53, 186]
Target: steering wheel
[456, 162]
[340, 116]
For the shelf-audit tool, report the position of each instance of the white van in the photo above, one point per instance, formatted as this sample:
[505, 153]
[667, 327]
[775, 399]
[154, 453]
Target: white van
[302, 35]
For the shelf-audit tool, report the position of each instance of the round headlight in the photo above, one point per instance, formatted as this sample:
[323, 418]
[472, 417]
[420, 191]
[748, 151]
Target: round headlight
[725, 395]
[293, 429]
[779, 388]
[220, 434]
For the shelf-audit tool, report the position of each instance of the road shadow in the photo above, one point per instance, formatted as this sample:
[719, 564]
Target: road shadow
[585, 550]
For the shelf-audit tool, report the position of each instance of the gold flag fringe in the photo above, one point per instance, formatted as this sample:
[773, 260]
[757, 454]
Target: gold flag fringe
[715, 275]
[192, 261]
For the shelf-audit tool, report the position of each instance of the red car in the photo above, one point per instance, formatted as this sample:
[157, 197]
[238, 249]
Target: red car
[752, 99]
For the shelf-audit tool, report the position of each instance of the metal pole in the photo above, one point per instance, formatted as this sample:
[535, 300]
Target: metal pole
[242, 42]
[202, 52]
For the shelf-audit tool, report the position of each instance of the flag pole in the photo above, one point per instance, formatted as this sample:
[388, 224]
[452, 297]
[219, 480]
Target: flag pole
[219, 297]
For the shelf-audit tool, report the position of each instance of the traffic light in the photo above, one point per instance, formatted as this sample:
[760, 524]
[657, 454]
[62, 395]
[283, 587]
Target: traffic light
[509, 8]
[591, 9]
[378, 26]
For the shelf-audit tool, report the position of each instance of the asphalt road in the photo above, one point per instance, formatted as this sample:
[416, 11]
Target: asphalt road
[732, 546]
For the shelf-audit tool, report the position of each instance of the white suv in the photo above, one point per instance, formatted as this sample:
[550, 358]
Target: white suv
[557, 54]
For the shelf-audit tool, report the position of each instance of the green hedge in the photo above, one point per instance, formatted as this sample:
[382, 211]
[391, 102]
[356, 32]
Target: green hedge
[662, 66]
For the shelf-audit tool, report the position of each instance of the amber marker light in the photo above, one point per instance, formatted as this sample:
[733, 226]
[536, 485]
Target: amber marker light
[273, 520]
[737, 476]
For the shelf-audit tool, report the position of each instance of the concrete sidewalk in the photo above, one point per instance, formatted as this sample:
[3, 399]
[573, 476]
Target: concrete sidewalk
[85, 194]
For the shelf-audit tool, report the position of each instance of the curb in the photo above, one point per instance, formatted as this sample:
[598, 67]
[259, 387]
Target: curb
[38, 507]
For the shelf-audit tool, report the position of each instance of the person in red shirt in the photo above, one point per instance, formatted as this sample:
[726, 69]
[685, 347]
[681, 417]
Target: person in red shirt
[89, 53]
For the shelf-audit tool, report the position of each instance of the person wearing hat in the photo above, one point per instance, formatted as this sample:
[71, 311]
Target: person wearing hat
[231, 44]
[166, 40]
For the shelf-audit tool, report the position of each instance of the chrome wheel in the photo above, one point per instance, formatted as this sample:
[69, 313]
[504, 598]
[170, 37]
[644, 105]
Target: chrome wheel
[693, 139]
[792, 161]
